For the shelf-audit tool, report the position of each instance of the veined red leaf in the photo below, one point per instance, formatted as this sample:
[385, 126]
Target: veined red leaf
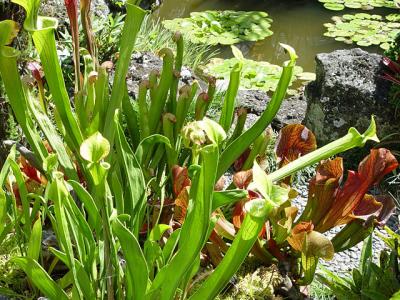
[180, 179]
[181, 204]
[219, 186]
[241, 160]
[367, 206]
[310, 242]
[239, 212]
[345, 200]
[242, 179]
[72, 9]
[322, 189]
[31, 172]
[223, 227]
[294, 141]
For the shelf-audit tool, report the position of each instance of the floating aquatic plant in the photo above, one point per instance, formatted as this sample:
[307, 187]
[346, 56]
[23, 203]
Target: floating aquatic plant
[358, 4]
[364, 29]
[223, 27]
[260, 75]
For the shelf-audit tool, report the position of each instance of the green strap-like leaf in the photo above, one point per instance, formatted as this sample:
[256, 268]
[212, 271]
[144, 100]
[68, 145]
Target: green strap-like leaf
[35, 241]
[136, 186]
[40, 278]
[87, 285]
[46, 46]
[42, 30]
[15, 92]
[138, 273]
[228, 107]
[133, 22]
[58, 193]
[3, 211]
[94, 218]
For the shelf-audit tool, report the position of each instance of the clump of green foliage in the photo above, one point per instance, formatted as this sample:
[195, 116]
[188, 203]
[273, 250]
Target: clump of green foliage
[370, 280]
[222, 27]
[364, 29]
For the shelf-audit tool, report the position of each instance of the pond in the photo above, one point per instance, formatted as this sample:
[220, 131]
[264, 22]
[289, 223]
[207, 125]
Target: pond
[298, 23]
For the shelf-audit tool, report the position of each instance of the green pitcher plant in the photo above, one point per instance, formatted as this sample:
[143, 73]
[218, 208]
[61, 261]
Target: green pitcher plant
[131, 187]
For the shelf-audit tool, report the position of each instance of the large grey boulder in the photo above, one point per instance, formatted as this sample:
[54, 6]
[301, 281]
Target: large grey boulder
[348, 89]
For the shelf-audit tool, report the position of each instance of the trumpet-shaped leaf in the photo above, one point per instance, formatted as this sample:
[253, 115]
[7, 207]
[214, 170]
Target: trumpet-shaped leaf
[348, 198]
[95, 148]
[311, 243]
[9, 30]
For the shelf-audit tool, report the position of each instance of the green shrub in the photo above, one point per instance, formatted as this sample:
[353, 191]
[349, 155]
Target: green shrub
[369, 280]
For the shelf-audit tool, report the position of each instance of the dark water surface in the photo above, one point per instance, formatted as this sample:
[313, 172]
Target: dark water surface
[298, 23]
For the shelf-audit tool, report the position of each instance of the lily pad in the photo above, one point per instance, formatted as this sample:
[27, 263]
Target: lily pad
[222, 27]
[256, 75]
[358, 4]
[364, 29]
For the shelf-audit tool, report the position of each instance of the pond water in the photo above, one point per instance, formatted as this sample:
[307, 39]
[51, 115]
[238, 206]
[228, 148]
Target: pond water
[298, 23]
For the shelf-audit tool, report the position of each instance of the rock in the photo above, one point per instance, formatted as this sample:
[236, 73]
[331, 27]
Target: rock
[291, 111]
[253, 100]
[347, 91]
